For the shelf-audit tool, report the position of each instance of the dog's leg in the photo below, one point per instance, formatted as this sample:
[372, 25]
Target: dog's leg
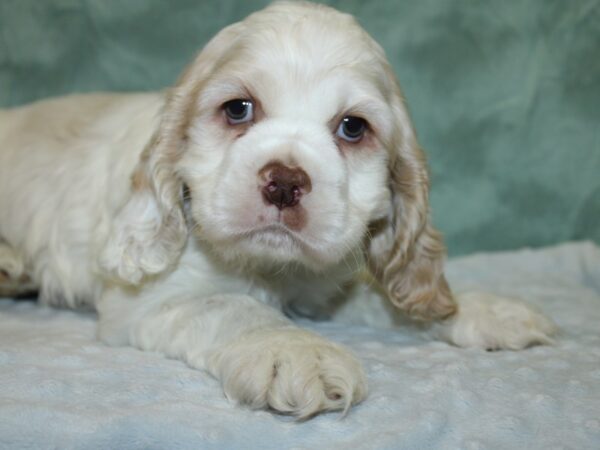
[494, 323]
[261, 358]
[481, 320]
[14, 281]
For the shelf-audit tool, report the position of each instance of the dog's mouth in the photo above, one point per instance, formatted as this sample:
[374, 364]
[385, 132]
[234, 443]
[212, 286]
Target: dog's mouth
[272, 235]
[278, 238]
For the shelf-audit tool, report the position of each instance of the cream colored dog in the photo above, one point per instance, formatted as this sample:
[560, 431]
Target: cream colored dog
[281, 163]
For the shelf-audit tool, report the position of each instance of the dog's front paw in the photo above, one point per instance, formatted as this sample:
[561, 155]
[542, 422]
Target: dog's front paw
[290, 371]
[14, 280]
[494, 323]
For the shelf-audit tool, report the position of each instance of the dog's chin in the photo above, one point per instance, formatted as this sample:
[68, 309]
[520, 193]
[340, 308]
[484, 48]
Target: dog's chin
[273, 243]
[269, 246]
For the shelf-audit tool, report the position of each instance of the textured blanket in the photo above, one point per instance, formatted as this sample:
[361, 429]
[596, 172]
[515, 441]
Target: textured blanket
[59, 388]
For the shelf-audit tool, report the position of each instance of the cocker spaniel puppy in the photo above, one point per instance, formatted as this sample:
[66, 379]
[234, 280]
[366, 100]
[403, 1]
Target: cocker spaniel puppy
[281, 164]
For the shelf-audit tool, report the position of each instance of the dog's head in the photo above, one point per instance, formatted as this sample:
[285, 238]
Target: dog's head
[291, 136]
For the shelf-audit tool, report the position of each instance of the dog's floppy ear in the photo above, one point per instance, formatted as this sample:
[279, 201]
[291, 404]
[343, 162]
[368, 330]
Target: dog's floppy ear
[405, 253]
[149, 231]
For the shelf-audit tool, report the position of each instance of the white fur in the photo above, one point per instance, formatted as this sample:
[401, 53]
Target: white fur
[92, 210]
[490, 322]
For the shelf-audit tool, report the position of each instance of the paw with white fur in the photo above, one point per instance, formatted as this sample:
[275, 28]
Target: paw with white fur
[289, 370]
[493, 323]
[14, 280]
[12, 265]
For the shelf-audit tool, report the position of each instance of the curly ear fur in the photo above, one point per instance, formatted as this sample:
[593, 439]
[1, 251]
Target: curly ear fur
[406, 253]
[148, 233]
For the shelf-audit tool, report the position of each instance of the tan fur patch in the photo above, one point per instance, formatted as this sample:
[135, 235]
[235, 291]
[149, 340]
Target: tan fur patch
[139, 181]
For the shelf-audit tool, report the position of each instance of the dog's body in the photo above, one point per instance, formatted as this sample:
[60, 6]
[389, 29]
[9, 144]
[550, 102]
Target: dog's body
[191, 219]
[75, 154]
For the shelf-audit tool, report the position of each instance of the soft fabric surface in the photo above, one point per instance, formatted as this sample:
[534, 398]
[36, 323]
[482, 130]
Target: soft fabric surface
[505, 95]
[59, 388]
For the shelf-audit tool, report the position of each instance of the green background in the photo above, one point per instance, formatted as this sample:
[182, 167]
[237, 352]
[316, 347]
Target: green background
[505, 94]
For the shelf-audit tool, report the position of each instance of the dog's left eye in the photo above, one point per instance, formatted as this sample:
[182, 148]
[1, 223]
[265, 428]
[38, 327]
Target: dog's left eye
[352, 129]
[239, 111]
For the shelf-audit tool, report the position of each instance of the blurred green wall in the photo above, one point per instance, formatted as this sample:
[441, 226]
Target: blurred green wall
[505, 95]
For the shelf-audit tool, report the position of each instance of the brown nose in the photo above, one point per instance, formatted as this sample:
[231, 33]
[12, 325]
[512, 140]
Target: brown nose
[284, 185]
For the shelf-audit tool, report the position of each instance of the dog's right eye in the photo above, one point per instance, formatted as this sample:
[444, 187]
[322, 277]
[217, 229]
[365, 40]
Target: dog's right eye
[239, 111]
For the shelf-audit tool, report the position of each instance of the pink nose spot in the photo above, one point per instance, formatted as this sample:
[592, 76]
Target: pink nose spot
[285, 185]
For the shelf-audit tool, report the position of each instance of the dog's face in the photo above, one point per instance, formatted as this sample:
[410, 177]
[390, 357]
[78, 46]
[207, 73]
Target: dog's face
[285, 156]
[290, 132]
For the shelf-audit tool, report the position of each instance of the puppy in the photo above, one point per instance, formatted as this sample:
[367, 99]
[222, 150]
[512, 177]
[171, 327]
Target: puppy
[281, 165]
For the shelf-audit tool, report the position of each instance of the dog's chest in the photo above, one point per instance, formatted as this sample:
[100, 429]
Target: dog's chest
[297, 291]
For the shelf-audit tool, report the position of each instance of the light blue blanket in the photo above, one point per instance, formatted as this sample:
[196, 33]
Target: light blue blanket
[59, 388]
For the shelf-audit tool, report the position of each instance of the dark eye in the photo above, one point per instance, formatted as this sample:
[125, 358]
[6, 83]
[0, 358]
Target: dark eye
[239, 111]
[352, 128]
